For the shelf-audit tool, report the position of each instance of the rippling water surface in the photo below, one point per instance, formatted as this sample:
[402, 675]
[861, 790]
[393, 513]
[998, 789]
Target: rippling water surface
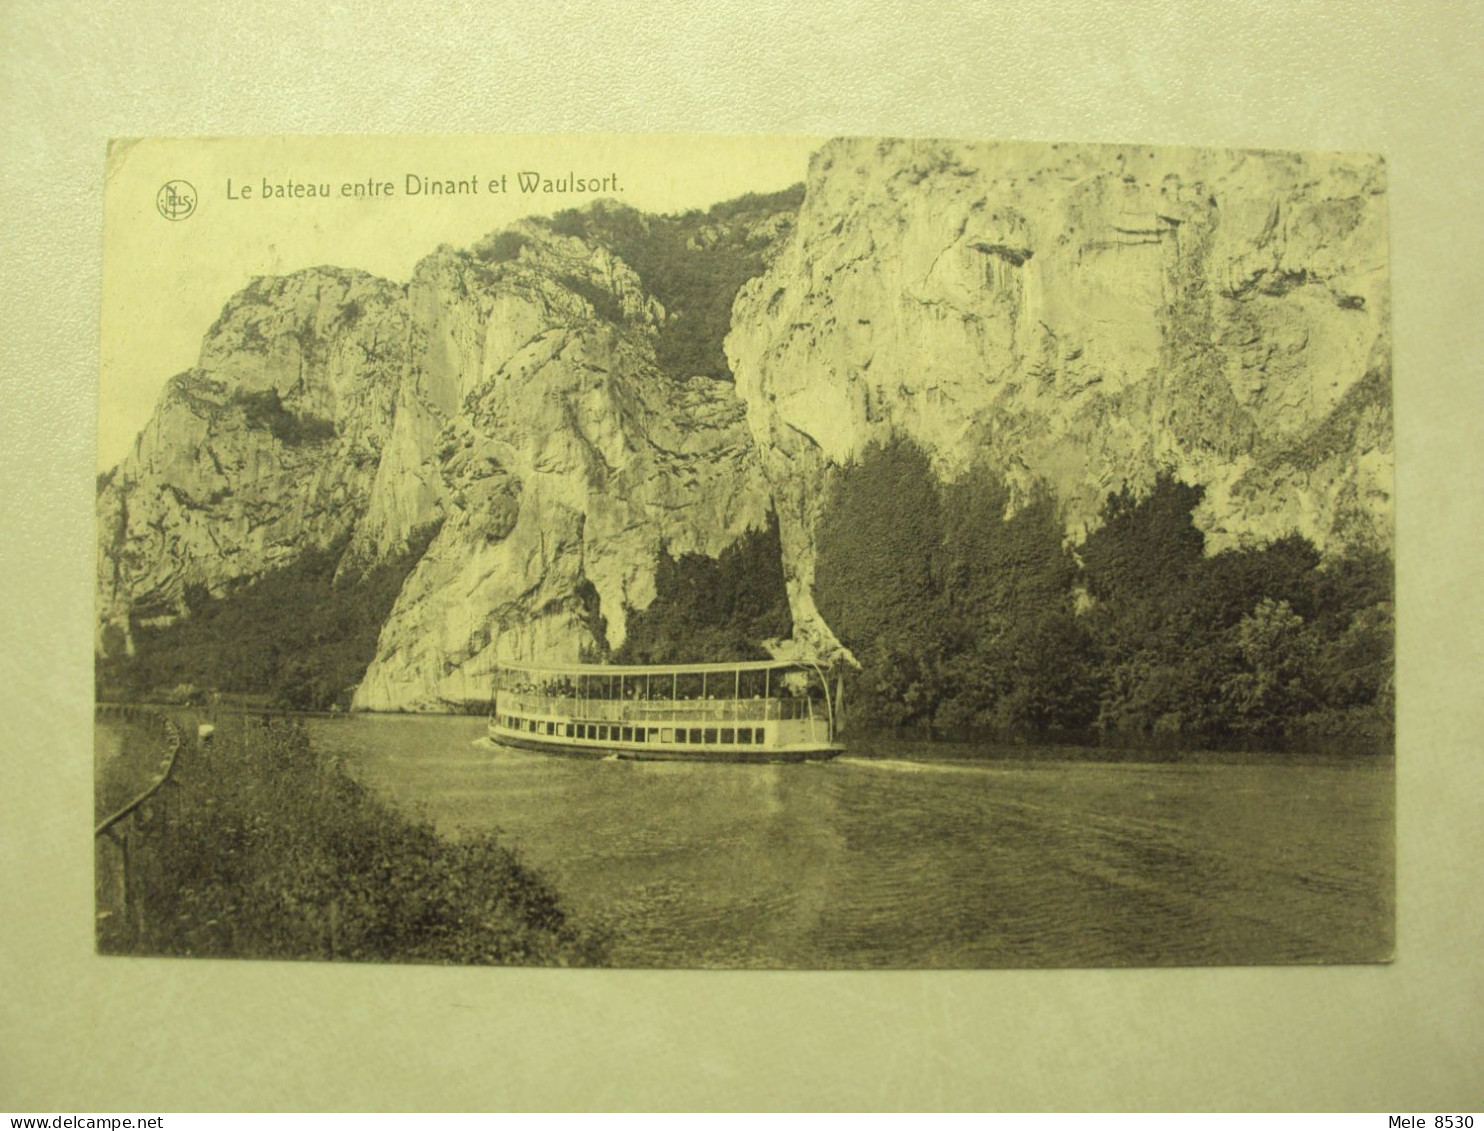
[880, 862]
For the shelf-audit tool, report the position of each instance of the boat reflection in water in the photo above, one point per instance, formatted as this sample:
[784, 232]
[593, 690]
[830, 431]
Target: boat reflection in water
[755, 711]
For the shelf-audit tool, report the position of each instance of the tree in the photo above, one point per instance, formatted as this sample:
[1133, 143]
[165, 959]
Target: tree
[1274, 683]
[1144, 543]
[707, 609]
[877, 544]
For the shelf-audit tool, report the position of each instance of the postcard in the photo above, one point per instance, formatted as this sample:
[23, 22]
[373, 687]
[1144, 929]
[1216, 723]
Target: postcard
[744, 552]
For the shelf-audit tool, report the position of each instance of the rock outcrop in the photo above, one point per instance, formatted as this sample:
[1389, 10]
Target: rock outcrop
[509, 393]
[1076, 316]
[569, 462]
[269, 445]
[1081, 316]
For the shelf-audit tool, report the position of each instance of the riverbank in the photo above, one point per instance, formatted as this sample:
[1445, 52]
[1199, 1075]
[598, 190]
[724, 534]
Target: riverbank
[913, 743]
[263, 848]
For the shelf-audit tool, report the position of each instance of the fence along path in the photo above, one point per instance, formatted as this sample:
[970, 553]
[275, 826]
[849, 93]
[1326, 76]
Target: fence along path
[120, 911]
[171, 735]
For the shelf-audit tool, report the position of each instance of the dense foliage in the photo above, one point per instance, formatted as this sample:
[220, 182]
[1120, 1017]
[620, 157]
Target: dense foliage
[694, 263]
[967, 612]
[501, 248]
[261, 849]
[297, 635]
[712, 609]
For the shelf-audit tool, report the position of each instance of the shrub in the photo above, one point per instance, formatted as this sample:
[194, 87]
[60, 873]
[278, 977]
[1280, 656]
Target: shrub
[502, 248]
[266, 410]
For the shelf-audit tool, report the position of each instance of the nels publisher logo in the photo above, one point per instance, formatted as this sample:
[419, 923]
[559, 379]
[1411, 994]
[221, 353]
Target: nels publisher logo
[176, 200]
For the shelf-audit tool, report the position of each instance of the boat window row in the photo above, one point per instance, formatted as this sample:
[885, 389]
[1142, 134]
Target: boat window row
[658, 710]
[671, 686]
[599, 732]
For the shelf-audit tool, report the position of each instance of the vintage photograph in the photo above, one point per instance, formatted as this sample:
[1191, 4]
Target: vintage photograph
[744, 552]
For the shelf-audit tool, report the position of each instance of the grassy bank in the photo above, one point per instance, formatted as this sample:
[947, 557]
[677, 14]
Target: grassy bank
[262, 849]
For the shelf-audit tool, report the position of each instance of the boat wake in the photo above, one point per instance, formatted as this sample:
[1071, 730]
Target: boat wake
[505, 754]
[903, 766]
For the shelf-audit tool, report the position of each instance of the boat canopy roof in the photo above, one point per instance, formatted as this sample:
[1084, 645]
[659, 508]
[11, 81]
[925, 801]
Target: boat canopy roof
[656, 669]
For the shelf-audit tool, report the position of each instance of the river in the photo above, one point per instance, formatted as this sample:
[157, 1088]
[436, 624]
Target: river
[888, 862]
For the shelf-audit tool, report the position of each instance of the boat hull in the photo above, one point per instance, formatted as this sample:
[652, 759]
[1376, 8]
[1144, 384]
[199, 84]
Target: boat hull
[660, 752]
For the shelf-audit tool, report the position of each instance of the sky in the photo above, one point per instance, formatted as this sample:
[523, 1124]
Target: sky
[165, 280]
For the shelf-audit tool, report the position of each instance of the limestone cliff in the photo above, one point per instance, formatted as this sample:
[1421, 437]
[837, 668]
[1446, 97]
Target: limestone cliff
[509, 392]
[556, 396]
[569, 462]
[1083, 316]
[270, 444]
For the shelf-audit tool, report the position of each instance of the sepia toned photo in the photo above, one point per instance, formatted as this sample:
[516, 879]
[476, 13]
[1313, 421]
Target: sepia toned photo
[744, 552]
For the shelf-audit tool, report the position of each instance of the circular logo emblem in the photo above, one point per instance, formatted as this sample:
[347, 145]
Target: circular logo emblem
[176, 200]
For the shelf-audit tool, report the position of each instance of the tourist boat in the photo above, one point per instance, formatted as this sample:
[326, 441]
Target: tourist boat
[755, 711]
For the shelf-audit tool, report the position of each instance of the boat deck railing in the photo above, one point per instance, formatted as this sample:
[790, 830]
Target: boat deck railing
[656, 710]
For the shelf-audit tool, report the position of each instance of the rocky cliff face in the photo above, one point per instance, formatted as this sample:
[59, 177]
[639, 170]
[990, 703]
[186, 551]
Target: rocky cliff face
[509, 392]
[269, 445]
[568, 462]
[1081, 316]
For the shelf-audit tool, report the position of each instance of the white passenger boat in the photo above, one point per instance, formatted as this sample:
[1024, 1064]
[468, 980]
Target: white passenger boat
[755, 711]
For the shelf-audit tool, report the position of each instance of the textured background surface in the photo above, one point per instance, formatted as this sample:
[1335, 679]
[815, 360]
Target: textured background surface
[81, 1033]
